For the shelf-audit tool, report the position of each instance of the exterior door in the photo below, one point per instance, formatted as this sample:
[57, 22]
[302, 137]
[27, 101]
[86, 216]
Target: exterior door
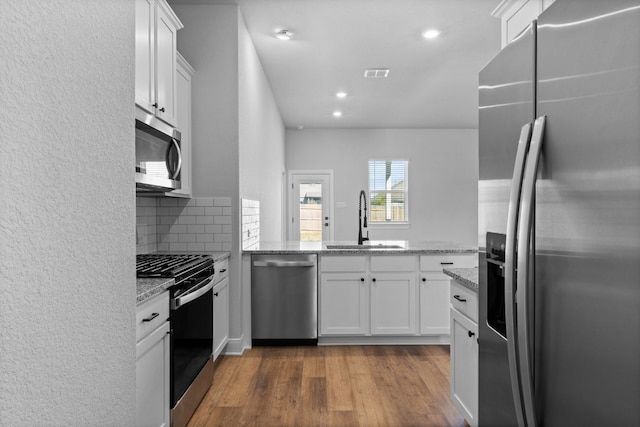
[310, 213]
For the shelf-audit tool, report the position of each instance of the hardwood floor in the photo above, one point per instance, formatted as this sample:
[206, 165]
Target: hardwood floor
[331, 386]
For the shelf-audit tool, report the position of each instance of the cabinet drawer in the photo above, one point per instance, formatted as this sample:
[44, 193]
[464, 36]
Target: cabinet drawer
[345, 263]
[151, 314]
[440, 261]
[221, 269]
[464, 300]
[393, 263]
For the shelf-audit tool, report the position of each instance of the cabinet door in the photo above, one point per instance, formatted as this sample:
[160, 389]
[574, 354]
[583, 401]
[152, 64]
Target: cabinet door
[166, 33]
[152, 378]
[184, 74]
[393, 303]
[464, 366]
[145, 54]
[343, 304]
[220, 316]
[434, 305]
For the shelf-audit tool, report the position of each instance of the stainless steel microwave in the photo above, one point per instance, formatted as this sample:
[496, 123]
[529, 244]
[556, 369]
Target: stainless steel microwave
[158, 156]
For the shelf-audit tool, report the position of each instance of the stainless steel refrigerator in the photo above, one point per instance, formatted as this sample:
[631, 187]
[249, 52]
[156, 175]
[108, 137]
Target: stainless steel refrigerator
[559, 221]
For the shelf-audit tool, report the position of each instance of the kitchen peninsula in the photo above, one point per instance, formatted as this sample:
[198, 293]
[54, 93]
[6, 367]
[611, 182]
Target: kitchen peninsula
[381, 292]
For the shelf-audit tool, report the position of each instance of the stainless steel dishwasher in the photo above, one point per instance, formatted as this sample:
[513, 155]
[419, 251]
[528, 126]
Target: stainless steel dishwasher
[284, 299]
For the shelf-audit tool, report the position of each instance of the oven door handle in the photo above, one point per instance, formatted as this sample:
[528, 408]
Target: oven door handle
[179, 302]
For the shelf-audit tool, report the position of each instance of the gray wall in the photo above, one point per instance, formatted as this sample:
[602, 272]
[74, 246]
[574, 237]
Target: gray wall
[238, 135]
[262, 136]
[209, 43]
[67, 214]
[443, 177]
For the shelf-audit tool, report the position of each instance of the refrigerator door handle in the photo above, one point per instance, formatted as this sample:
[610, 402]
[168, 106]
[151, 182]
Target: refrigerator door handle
[525, 225]
[509, 267]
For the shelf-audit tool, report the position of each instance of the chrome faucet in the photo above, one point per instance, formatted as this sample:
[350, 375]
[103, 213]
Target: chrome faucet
[360, 224]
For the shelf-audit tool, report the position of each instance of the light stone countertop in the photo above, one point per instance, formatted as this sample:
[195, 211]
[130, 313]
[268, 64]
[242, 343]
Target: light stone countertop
[407, 247]
[467, 276]
[147, 288]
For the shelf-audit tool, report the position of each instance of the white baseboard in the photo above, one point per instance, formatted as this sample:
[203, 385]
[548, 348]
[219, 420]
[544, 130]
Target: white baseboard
[382, 340]
[235, 347]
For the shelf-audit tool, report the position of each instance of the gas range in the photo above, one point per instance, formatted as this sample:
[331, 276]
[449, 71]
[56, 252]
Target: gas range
[181, 266]
[191, 304]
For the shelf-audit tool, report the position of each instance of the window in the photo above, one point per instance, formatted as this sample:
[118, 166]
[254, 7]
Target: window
[388, 191]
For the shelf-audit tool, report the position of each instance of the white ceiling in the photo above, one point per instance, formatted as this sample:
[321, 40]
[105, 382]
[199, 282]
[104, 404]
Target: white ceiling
[432, 84]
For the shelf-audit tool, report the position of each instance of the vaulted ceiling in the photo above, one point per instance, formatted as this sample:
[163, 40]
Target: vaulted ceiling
[431, 83]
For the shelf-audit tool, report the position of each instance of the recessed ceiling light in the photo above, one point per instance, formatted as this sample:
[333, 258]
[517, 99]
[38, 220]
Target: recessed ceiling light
[337, 114]
[283, 34]
[376, 73]
[341, 94]
[431, 34]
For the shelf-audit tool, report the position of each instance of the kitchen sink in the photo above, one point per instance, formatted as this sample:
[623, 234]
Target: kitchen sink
[364, 247]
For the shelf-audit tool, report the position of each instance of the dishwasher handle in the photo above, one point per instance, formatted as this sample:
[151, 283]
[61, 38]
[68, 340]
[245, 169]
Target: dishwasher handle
[279, 263]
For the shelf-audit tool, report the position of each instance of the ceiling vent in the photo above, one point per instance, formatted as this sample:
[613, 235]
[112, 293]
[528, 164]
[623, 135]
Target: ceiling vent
[376, 73]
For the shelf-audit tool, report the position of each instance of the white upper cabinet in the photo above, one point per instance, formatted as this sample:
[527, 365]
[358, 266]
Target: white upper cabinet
[183, 122]
[516, 15]
[156, 38]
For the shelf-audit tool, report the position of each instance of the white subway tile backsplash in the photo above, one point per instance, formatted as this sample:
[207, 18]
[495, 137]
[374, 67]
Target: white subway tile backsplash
[222, 237]
[167, 201]
[213, 247]
[222, 219]
[205, 238]
[195, 247]
[222, 201]
[195, 229]
[214, 229]
[197, 224]
[187, 238]
[250, 223]
[178, 247]
[204, 201]
[199, 210]
[213, 210]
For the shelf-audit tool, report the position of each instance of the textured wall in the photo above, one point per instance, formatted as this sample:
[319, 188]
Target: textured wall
[67, 213]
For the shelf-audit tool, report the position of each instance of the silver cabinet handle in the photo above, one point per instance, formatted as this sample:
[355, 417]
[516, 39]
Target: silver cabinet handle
[509, 265]
[179, 302]
[525, 225]
[284, 264]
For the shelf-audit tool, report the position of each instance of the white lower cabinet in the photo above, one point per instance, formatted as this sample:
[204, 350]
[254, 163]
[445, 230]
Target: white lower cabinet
[379, 295]
[393, 295]
[220, 316]
[220, 307]
[434, 290]
[362, 295]
[344, 307]
[152, 362]
[393, 304]
[464, 357]
[434, 305]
